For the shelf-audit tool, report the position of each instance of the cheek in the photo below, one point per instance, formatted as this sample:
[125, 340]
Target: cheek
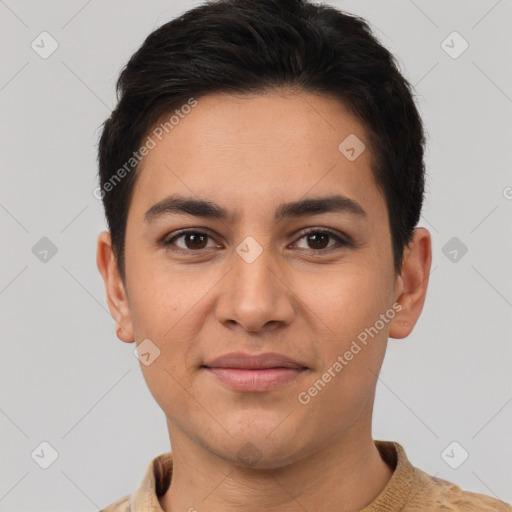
[348, 298]
[351, 350]
[166, 309]
[161, 299]
[347, 307]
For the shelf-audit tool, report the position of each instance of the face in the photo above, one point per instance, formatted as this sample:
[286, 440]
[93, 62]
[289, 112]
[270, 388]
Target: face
[292, 254]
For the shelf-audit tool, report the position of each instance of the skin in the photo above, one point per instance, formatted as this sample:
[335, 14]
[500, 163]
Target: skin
[249, 154]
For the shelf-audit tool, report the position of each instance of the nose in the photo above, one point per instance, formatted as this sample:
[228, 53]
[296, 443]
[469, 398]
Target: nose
[254, 294]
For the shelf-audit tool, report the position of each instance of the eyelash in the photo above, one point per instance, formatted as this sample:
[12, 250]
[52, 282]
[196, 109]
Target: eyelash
[323, 231]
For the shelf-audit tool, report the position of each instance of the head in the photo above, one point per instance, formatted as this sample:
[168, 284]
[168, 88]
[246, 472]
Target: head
[282, 137]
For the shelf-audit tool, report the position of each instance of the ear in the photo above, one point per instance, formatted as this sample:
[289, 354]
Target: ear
[115, 288]
[412, 283]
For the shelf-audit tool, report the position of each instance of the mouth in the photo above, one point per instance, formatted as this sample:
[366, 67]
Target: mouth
[254, 373]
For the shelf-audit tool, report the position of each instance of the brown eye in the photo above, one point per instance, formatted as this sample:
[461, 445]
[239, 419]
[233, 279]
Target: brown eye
[195, 240]
[320, 239]
[189, 240]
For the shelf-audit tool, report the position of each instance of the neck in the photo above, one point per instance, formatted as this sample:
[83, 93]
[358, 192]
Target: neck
[328, 479]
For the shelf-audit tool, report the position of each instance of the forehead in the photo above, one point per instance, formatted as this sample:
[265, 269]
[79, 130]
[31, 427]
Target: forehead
[236, 148]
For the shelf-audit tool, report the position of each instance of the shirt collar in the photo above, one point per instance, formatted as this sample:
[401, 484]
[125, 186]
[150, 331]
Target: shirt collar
[396, 493]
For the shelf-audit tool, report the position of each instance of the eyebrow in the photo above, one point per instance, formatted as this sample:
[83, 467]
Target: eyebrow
[176, 204]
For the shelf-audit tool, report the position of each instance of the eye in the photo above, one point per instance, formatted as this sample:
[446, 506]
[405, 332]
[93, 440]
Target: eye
[190, 240]
[315, 239]
[319, 239]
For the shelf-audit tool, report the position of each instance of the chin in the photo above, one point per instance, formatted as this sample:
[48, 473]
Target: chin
[254, 448]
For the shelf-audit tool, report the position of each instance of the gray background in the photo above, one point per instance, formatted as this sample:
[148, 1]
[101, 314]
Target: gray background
[66, 379]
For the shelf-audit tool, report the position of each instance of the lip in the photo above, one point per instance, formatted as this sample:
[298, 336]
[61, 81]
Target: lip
[251, 373]
[243, 360]
[245, 380]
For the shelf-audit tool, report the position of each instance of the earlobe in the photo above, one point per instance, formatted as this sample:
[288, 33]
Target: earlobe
[115, 288]
[412, 283]
[124, 335]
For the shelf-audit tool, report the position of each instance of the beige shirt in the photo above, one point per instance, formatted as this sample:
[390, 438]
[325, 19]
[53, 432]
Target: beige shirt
[409, 489]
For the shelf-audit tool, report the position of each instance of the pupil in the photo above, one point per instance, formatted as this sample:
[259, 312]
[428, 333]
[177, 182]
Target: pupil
[194, 238]
[317, 238]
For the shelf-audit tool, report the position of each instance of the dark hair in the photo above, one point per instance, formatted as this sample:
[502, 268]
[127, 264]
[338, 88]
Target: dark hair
[256, 46]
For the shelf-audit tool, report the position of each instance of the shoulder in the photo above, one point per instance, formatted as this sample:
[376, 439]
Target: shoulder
[123, 504]
[437, 494]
